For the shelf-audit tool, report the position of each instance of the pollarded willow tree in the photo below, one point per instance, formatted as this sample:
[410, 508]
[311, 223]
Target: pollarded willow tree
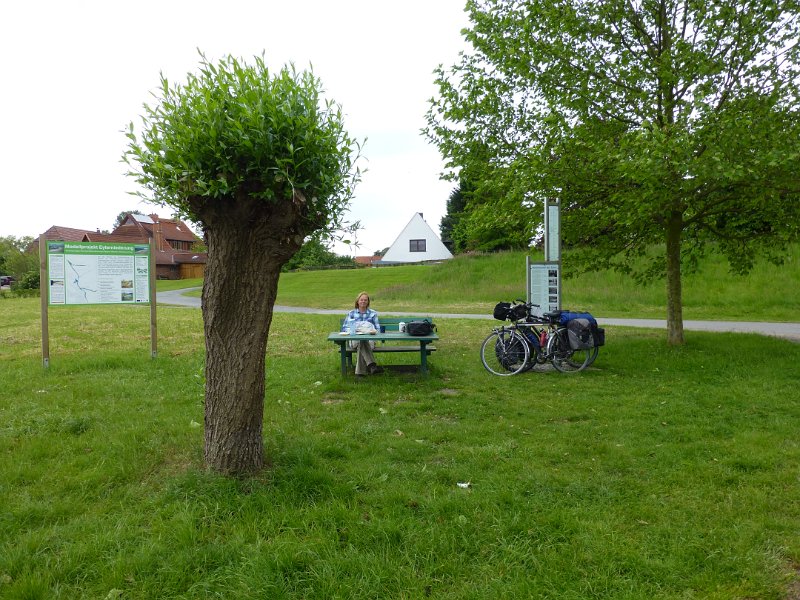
[665, 125]
[260, 162]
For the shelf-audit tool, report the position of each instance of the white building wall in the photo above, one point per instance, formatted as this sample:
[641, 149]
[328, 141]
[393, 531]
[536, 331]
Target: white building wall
[417, 229]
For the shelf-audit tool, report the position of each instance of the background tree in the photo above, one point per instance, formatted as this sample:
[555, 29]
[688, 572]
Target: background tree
[19, 257]
[315, 254]
[260, 162]
[456, 203]
[658, 124]
[496, 215]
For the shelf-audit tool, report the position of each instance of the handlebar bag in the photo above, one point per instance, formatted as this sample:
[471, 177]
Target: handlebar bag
[501, 310]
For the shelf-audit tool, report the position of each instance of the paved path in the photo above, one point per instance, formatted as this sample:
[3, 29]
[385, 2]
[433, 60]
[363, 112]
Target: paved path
[785, 330]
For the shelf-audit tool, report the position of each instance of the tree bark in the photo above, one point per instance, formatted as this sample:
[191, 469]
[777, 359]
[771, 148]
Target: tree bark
[674, 290]
[248, 242]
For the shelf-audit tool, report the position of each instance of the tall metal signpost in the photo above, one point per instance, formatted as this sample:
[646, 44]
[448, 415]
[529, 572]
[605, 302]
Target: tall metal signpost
[74, 273]
[544, 278]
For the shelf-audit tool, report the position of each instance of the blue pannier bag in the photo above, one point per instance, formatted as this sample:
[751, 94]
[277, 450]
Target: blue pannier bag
[567, 316]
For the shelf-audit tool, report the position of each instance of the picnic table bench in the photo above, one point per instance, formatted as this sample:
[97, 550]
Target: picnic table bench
[420, 345]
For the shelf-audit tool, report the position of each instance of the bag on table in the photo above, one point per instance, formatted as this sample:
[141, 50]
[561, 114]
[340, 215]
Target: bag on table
[365, 327]
[424, 327]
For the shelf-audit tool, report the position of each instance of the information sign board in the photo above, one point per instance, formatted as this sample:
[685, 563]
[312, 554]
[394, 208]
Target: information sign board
[97, 273]
[545, 287]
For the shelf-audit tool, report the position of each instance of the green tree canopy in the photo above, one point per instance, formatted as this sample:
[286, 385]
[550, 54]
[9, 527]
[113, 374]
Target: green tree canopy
[260, 161]
[456, 204]
[655, 123]
[19, 256]
[315, 254]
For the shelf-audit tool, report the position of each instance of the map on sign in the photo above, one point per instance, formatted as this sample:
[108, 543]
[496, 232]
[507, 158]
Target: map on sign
[82, 279]
[96, 273]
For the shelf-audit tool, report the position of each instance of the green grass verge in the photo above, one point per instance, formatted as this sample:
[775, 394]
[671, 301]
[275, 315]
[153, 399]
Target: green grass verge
[473, 284]
[660, 473]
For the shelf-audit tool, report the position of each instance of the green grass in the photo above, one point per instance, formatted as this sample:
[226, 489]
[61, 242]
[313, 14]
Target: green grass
[660, 473]
[473, 284]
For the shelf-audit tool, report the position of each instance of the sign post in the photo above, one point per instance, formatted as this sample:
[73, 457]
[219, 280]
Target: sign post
[43, 287]
[544, 278]
[153, 327]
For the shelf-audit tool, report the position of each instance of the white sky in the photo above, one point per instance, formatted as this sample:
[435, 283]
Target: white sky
[76, 73]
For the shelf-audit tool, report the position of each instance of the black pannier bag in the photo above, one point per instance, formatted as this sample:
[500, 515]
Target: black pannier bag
[599, 336]
[423, 327]
[501, 311]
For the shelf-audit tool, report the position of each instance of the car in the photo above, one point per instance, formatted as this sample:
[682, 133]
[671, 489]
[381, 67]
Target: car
[6, 280]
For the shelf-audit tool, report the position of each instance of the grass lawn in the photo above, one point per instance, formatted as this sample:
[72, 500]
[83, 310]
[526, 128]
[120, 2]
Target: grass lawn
[473, 284]
[659, 473]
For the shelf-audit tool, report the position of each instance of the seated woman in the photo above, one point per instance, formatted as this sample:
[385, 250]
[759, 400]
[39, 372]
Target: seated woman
[363, 318]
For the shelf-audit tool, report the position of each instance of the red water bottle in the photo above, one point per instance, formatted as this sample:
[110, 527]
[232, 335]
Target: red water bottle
[543, 339]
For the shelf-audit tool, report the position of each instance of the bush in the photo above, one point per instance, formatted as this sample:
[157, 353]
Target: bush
[28, 281]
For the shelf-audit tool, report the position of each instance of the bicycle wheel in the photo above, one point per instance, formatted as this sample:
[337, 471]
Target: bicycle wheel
[504, 352]
[564, 358]
[594, 352]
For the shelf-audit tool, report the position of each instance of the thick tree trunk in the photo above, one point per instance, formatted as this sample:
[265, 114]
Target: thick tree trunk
[247, 245]
[674, 291]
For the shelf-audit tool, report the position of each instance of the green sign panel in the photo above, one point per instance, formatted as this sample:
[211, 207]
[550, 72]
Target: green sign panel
[98, 273]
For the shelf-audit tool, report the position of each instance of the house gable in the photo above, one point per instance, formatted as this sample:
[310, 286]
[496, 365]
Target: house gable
[416, 243]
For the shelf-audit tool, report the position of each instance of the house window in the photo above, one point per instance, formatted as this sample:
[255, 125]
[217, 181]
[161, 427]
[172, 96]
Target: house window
[416, 246]
[180, 245]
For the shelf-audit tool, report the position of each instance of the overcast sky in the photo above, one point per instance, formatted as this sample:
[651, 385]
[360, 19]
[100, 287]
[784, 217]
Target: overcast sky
[76, 73]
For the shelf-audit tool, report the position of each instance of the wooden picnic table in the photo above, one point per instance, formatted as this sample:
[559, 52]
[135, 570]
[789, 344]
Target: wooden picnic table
[420, 345]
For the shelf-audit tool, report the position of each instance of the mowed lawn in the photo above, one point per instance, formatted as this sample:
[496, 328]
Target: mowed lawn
[659, 473]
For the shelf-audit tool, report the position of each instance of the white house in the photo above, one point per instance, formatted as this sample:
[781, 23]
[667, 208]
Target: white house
[416, 243]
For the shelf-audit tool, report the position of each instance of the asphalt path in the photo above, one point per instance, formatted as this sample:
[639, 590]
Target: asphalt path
[789, 331]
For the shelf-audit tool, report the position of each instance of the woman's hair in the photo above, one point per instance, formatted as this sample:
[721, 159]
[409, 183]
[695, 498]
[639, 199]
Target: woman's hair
[359, 296]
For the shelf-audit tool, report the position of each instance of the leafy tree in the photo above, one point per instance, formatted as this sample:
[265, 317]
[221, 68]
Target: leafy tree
[495, 215]
[490, 226]
[656, 124]
[15, 257]
[456, 203]
[314, 254]
[121, 217]
[260, 162]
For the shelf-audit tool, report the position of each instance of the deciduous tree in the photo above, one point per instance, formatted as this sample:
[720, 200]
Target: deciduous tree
[260, 161]
[666, 124]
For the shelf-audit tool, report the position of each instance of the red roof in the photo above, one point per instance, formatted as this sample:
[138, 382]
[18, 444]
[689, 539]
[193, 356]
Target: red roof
[366, 260]
[170, 229]
[135, 231]
[65, 234]
[120, 238]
